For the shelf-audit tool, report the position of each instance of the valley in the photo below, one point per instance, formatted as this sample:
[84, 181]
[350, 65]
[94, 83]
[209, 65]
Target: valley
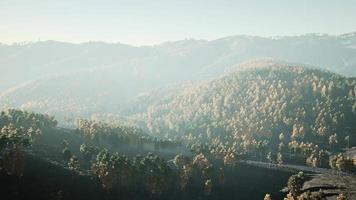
[177, 100]
[212, 139]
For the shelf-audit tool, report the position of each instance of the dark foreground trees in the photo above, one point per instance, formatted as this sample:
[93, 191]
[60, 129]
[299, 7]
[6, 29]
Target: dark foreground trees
[154, 176]
[18, 129]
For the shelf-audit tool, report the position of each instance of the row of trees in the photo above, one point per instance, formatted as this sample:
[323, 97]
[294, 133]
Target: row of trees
[27, 119]
[152, 175]
[101, 133]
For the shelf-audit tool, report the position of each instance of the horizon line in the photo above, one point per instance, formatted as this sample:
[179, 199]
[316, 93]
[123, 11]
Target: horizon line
[20, 43]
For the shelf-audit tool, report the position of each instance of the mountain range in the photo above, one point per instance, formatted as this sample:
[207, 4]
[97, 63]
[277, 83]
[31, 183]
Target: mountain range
[96, 77]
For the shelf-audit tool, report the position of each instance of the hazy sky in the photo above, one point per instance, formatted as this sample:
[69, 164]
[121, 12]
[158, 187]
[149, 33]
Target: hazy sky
[154, 21]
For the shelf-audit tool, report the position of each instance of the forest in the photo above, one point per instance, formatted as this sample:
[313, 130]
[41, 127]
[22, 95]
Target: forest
[193, 142]
[177, 100]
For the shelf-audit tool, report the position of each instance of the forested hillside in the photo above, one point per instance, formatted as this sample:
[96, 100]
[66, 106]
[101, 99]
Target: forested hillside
[203, 160]
[279, 107]
[189, 140]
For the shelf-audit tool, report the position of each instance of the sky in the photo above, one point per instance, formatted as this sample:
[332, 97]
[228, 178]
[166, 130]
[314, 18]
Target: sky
[147, 22]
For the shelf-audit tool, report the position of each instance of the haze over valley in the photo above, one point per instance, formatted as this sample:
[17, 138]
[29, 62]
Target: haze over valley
[177, 100]
[96, 77]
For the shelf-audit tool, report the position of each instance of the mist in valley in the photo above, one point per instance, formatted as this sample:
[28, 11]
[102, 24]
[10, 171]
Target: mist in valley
[178, 100]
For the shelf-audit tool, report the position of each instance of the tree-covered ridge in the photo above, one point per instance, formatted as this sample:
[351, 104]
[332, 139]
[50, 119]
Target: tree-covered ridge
[18, 129]
[303, 104]
[93, 129]
[26, 119]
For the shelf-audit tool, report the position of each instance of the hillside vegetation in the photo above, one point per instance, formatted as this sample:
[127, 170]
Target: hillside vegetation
[199, 134]
[271, 108]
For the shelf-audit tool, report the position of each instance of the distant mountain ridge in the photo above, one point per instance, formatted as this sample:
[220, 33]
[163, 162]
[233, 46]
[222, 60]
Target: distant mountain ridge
[51, 76]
